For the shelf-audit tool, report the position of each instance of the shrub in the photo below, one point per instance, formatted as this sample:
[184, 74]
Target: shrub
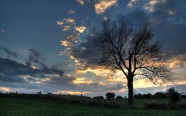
[160, 95]
[138, 96]
[163, 106]
[175, 97]
[148, 95]
[110, 95]
[156, 106]
[119, 97]
[98, 97]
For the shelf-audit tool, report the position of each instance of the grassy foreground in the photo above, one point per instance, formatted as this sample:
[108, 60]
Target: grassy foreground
[50, 107]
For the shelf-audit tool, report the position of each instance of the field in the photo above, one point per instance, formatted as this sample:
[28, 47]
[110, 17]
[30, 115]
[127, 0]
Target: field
[16, 106]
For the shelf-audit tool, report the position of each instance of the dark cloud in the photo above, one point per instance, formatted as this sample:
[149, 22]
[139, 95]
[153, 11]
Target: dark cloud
[168, 19]
[86, 52]
[8, 52]
[11, 70]
[35, 57]
[137, 16]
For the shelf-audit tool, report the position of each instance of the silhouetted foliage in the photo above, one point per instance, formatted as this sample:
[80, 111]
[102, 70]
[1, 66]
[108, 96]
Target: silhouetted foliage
[98, 97]
[138, 96]
[110, 95]
[39, 93]
[160, 95]
[147, 96]
[144, 96]
[175, 97]
[119, 97]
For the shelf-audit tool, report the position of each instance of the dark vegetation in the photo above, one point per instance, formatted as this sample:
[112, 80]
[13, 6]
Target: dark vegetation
[11, 106]
[158, 101]
[110, 95]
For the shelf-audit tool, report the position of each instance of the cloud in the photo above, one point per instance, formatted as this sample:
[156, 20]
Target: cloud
[151, 6]
[35, 57]
[71, 12]
[102, 5]
[66, 24]
[81, 2]
[80, 29]
[35, 67]
[69, 20]
[59, 23]
[66, 28]
[66, 43]
[9, 53]
[1, 30]
[132, 3]
[168, 20]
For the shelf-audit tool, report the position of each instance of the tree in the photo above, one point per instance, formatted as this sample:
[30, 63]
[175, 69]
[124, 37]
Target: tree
[175, 97]
[110, 95]
[121, 47]
[119, 97]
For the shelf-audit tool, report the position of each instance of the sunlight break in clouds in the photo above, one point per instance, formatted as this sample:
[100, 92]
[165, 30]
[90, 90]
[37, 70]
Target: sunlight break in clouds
[5, 89]
[102, 5]
[82, 81]
[72, 92]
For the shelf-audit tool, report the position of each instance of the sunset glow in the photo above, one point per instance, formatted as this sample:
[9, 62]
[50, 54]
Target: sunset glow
[50, 46]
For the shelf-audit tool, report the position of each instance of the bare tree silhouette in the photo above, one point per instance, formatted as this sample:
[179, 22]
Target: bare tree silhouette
[133, 51]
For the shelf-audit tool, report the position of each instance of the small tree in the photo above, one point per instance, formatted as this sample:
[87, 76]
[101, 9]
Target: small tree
[110, 95]
[132, 51]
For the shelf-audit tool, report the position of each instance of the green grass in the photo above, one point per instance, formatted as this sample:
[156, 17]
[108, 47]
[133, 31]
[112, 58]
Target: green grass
[52, 107]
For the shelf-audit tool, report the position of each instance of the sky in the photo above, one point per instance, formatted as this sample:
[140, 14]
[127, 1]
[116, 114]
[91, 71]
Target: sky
[44, 44]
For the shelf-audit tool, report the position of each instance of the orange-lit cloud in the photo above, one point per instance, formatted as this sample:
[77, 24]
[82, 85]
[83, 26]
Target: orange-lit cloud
[80, 29]
[72, 37]
[81, 2]
[103, 5]
[177, 62]
[5, 89]
[66, 28]
[150, 6]
[65, 43]
[82, 81]
[69, 20]
[59, 22]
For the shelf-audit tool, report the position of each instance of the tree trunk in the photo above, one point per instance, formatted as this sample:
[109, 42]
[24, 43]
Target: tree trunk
[130, 91]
